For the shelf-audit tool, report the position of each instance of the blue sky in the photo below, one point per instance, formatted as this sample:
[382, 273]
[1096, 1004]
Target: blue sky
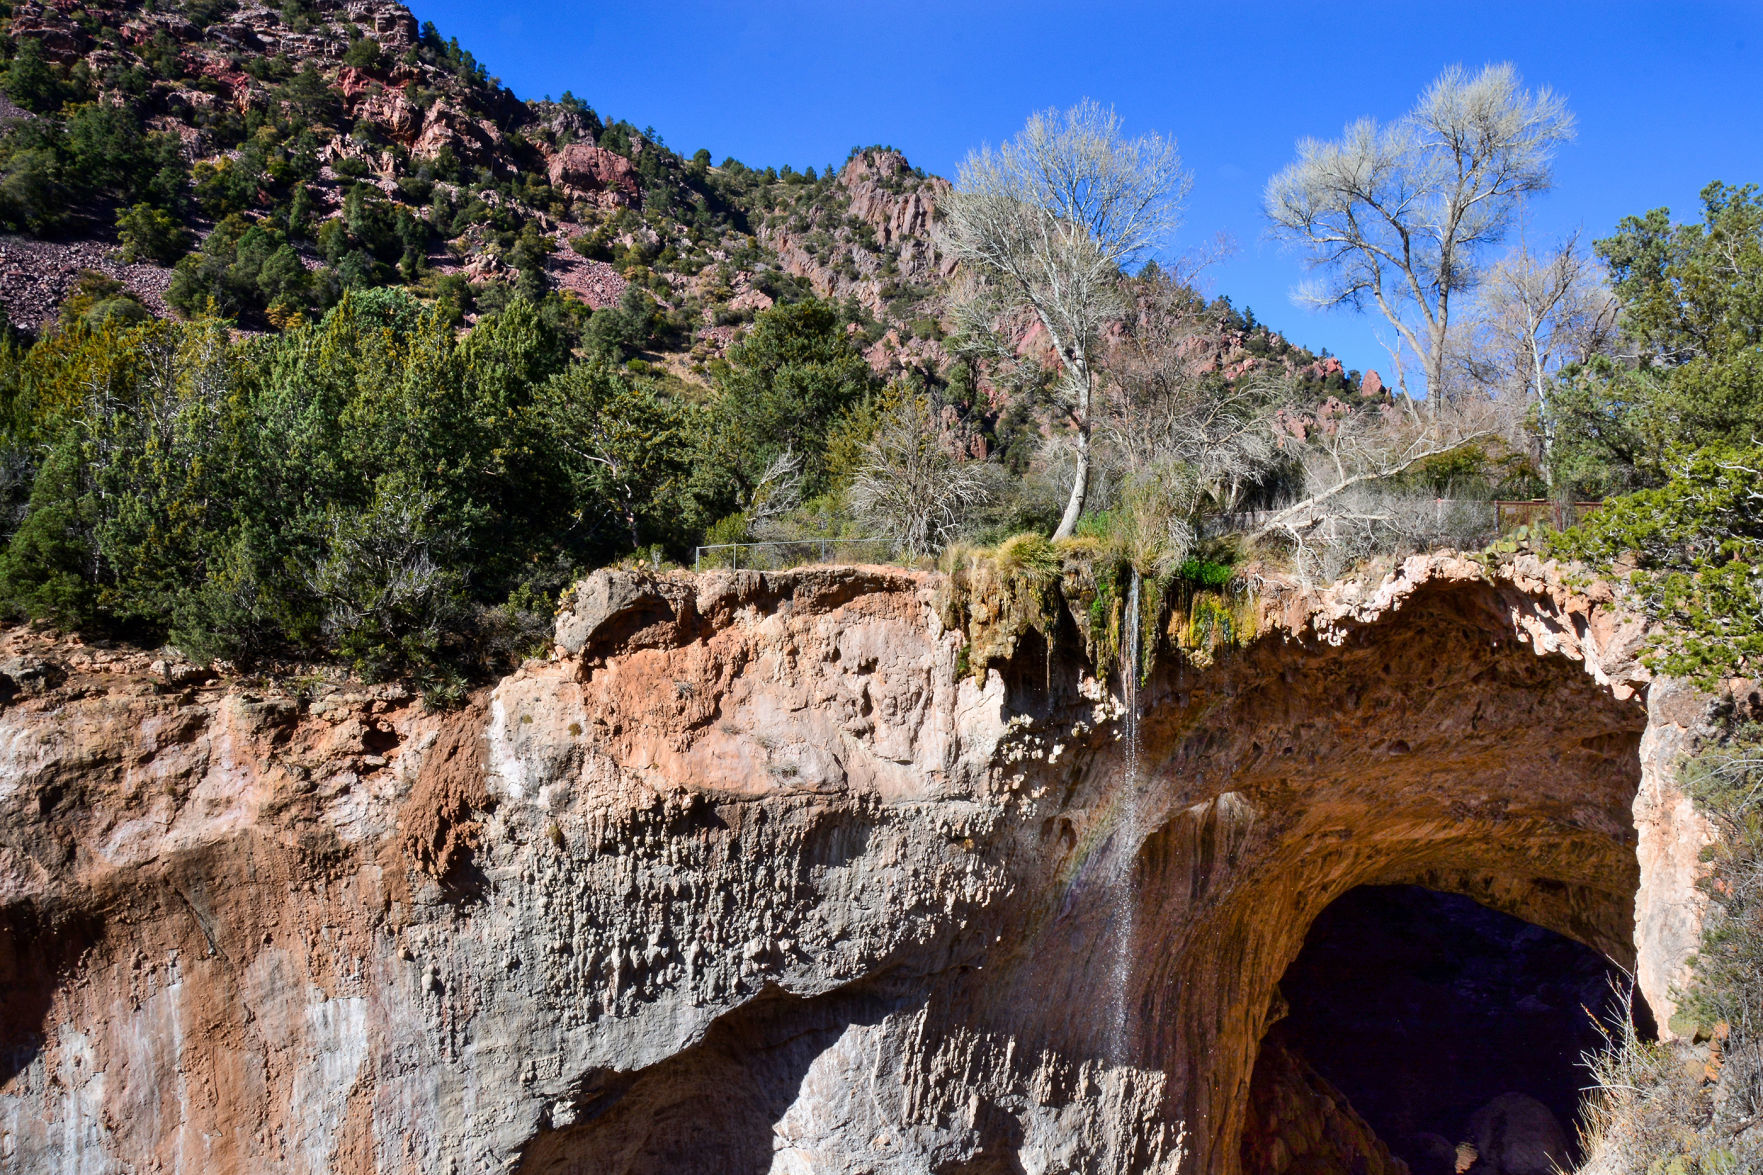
[1668, 95]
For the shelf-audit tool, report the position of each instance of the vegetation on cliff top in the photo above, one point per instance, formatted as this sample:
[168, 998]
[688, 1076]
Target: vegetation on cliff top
[1683, 418]
[1696, 548]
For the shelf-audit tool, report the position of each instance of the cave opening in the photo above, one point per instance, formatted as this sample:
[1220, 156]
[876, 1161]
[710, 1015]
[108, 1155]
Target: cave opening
[1453, 1033]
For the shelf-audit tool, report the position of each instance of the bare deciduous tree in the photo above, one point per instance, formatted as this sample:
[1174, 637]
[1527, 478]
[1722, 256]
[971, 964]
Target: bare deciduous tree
[1186, 442]
[1399, 215]
[1374, 519]
[1538, 314]
[912, 487]
[777, 492]
[1044, 225]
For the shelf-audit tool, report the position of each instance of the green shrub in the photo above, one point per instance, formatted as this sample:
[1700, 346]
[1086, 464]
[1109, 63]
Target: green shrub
[1032, 555]
[32, 196]
[244, 270]
[30, 81]
[364, 54]
[148, 234]
[617, 333]
[47, 570]
[371, 487]
[785, 387]
[390, 582]
[1693, 320]
[1697, 546]
[99, 301]
[1201, 573]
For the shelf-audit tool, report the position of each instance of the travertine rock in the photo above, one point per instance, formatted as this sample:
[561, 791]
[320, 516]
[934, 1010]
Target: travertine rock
[749, 875]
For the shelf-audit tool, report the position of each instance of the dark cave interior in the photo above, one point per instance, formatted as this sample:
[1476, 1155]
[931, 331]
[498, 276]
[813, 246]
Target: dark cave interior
[1454, 1031]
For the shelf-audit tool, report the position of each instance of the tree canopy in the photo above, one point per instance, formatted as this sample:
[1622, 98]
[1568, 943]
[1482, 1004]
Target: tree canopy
[1691, 298]
[371, 485]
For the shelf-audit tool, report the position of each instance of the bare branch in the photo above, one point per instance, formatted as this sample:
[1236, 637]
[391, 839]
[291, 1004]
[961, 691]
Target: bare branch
[1397, 216]
[912, 486]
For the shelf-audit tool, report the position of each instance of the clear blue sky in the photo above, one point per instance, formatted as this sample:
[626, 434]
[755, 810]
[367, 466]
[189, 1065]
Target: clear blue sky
[1668, 95]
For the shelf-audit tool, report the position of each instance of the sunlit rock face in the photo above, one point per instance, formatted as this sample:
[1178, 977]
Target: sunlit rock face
[754, 874]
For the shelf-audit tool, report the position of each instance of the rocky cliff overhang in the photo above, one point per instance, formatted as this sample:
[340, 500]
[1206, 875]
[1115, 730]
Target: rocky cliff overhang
[756, 872]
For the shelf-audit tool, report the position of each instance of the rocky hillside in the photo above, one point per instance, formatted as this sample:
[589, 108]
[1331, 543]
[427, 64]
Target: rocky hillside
[263, 159]
[374, 152]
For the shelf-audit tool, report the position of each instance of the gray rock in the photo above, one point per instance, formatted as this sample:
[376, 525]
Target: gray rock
[1517, 1135]
[609, 606]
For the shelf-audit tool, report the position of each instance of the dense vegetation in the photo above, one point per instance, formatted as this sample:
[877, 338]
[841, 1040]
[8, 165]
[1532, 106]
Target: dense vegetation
[375, 485]
[1695, 546]
[408, 463]
[1690, 372]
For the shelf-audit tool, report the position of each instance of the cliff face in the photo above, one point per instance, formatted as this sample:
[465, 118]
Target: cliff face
[751, 874]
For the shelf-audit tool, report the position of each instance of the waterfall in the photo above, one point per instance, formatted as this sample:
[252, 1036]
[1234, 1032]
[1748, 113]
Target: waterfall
[1126, 898]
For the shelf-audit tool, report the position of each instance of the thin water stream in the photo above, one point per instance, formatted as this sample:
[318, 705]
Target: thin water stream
[1122, 880]
[1127, 831]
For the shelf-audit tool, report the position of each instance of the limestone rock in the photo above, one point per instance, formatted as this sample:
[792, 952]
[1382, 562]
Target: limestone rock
[613, 607]
[760, 871]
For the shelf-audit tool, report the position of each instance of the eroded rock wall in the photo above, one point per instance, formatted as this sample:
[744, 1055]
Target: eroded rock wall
[751, 875]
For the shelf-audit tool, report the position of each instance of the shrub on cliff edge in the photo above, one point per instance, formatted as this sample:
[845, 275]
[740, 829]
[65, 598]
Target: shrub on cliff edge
[1696, 544]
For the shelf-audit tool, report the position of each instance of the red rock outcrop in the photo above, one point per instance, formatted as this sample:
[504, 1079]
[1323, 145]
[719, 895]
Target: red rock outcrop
[885, 195]
[594, 172]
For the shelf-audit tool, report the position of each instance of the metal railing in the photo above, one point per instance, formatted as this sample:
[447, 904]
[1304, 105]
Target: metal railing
[1540, 512]
[781, 553]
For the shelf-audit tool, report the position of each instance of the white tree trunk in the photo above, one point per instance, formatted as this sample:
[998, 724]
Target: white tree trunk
[1080, 485]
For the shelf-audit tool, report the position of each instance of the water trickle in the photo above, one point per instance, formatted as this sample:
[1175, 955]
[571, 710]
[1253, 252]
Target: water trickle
[1126, 898]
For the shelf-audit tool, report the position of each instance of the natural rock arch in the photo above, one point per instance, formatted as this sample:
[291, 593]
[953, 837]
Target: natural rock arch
[1457, 740]
[1473, 737]
[1434, 749]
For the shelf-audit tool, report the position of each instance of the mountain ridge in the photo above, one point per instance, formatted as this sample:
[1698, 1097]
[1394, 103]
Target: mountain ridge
[286, 153]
